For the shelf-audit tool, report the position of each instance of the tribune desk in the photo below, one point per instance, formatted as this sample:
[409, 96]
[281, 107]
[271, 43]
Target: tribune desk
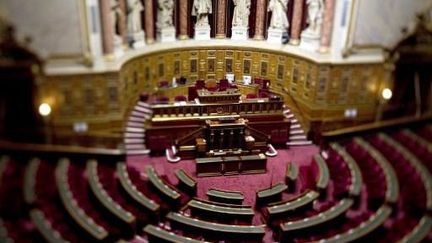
[231, 165]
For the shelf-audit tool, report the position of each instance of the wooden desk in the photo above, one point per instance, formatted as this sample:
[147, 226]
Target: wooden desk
[186, 182]
[324, 175]
[30, 180]
[234, 197]
[162, 187]
[231, 165]
[220, 231]
[291, 175]
[4, 160]
[356, 177]
[132, 191]
[103, 197]
[288, 229]
[365, 228]
[419, 167]
[420, 232]
[44, 227]
[283, 208]
[220, 212]
[271, 194]
[251, 164]
[211, 166]
[71, 205]
[157, 234]
[392, 184]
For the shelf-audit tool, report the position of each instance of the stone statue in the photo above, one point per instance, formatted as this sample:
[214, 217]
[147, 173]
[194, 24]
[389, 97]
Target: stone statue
[314, 16]
[115, 16]
[134, 22]
[279, 19]
[201, 9]
[165, 14]
[241, 13]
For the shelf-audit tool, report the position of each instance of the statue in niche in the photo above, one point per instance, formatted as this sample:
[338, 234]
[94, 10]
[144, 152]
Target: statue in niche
[314, 16]
[201, 9]
[279, 19]
[115, 16]
[134, 22]
[165, 14]
[241, 13]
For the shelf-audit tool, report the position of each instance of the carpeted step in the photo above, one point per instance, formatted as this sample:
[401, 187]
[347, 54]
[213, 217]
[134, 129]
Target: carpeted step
[135, 146]
[289, 116]
[296, 131]
[134, 140]
[137, 119]
[295, 126]
[135, 129]
[144, 104]
[286, 111]
[135, 124]
[298, 143]
[134, 135]
[140, 114]
[143, 109]
[297, 137]
[137, 151]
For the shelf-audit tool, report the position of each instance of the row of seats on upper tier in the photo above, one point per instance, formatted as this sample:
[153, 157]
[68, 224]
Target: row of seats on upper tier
[392, 176]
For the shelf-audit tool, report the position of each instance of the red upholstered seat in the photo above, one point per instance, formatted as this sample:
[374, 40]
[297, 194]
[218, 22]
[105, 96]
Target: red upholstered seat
[192, 93]
[223, 84]
[265, 84]
[258, 81]
[162, 100]
[199, 84]
[144, 96]
[251, 96]
[180, 98]
[163, 84]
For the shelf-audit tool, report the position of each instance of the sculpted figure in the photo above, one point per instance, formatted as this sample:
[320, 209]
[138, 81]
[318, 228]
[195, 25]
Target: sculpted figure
[115, 15]
[165, 13]
[279, 19]
[134, 23]
[201, 9]
[315, 16]
[241, 13]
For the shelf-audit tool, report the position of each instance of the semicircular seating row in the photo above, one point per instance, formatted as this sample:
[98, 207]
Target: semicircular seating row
[376, 188]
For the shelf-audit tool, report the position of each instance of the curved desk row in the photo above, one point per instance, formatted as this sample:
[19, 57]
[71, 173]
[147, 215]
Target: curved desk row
[104, 198]
[217, 230]
[220, 212]
[132, 191]
[356, 177]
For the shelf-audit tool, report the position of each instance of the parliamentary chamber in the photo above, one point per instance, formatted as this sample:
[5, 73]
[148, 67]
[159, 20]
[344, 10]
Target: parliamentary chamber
[215, 121]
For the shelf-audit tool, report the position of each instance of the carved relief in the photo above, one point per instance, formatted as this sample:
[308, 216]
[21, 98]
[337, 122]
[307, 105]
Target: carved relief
[228, 65]
[246, 66]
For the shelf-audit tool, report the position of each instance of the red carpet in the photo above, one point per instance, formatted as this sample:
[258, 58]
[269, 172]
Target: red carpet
[248, 184]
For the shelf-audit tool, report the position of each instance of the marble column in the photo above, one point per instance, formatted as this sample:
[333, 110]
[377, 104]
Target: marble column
[95, 34]
[221, 19]
[327, 26]
[149, 21]
[296, 22]
[183, 19]
[107, 30]
[122, 20]
[260, 19]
